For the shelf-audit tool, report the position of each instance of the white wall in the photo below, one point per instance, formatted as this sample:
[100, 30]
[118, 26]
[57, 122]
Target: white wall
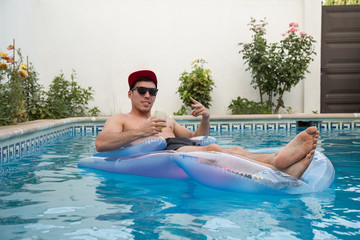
[105, 40]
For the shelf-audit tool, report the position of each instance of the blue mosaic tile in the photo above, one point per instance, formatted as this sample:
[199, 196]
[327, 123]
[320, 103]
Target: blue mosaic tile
[225, 127]
[324, 126]
[78, 129]
[335, 125]
[11, 151]
[346, 125]
[259, 126]
[214, 127]
[271, 126]
[247, 126]
[236, 126]
[190, 126]
[99, 128]
[90, 129]
[17, 150]
[4, 153]
[22, 146]
[283, 126]
[28, 145]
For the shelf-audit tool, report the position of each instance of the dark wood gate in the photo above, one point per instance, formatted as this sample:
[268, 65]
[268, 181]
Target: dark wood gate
[340, 59]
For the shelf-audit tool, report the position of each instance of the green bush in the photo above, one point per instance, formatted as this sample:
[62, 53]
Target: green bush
[34, 95]
[66, 98]
[22, 98]
[341, 2]
[245, 106]
[95, 111]
[277, 67]
[12, 106]
[197, 84]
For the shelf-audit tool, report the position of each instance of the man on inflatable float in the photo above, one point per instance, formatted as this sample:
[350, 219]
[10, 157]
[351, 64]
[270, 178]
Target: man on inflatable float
[122, 130]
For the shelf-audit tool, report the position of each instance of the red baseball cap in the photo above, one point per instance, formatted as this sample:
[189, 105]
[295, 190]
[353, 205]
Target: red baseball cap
[133, 77]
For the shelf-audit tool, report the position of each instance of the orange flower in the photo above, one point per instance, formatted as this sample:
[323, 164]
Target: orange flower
[3, 55]
[23, 73]
[10, 60]
[3, 66]
[10, 47]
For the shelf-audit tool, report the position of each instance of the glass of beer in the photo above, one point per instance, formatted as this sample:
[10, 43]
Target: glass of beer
[160, 114]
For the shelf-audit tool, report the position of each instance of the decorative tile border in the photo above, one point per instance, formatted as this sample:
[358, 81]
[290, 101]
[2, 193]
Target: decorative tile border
[236, 125]
[226, 126]
[17, 147]
[27, 144]
[328, 125]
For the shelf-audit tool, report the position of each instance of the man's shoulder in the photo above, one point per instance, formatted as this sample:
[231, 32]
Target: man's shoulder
[117, 120]
[119, 117]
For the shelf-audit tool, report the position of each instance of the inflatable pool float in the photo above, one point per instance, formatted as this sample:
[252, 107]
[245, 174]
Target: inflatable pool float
[146, 158]
[230, 173]
[212, 169]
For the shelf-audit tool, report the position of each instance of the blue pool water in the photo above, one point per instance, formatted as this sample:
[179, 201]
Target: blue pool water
[46, 196]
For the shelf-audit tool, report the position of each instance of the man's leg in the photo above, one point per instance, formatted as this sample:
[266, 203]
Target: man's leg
[293, 152]
[293, 159]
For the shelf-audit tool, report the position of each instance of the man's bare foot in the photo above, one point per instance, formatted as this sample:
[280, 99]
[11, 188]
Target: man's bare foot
[297, 170]
[298, 149]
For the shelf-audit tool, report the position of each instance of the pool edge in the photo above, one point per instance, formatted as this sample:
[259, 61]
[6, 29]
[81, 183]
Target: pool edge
[7, 132]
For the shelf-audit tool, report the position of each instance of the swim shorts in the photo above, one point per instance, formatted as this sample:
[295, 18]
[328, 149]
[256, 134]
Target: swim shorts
[178, 142]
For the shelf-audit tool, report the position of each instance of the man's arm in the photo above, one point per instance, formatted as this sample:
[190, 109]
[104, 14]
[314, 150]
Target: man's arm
[200, 110]
[113, 135]
[203, 129]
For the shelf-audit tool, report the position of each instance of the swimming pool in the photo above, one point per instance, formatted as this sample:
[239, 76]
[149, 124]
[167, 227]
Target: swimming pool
[44, 195]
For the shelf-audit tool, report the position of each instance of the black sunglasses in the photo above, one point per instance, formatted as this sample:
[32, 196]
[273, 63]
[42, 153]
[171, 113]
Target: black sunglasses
[143, 90]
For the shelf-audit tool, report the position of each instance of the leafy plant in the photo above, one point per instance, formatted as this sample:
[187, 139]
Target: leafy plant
[341, 2]
[197, 84]
[245, 106]
[34, 95]
[22, 98]
[182, 111]
[95, 111]
[66, 98]
[12, 106]
[277, 67]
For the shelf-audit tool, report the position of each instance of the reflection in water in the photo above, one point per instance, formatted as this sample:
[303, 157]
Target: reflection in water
[185, 208]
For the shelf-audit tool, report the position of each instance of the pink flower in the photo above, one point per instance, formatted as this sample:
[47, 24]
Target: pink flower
[293, 24]
[292, 30]
[303, 34]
